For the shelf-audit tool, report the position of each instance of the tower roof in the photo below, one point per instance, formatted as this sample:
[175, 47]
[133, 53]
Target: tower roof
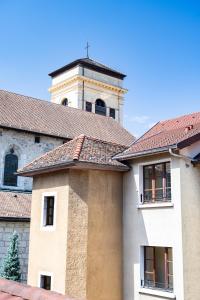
[89, 64]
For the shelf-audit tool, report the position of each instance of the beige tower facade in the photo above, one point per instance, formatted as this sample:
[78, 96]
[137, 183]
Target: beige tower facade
[91, 86]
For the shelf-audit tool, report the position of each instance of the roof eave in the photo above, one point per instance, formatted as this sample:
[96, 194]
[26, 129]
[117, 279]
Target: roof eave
[72, 164]
[145, 153]
[78, 62]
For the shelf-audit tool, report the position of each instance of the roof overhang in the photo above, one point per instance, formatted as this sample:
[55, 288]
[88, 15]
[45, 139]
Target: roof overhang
[81, 63]
[148, 152]
[72, 164]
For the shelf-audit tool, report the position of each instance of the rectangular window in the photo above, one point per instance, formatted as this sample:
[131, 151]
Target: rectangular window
[45, 282]
[88, 106]
[48, 213]
[158, 268]
[37, 139]
[112, 113]
[157, 182]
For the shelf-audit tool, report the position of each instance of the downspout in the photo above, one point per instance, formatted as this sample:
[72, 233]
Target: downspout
[187, 158]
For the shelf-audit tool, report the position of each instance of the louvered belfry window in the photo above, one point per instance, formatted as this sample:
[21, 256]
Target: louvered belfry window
[10, 167]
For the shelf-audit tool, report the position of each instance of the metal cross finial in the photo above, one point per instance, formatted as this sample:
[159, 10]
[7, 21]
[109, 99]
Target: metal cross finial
[87, 49]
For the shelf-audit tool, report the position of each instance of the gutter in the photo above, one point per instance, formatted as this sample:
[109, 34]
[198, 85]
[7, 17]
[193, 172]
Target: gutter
[144, 153]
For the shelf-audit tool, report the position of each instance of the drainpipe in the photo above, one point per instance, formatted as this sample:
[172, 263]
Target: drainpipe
[187, 158]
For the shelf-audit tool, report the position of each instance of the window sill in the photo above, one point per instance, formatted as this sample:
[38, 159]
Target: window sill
[48, 228]
[155, 205]
[162, 294]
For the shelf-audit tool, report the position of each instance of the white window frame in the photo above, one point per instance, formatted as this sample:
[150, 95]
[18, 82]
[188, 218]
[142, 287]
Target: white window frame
[141, 184]
[48, 227]
[149, 291]
[45, 273]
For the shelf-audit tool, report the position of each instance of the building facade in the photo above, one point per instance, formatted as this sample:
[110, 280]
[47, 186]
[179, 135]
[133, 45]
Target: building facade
[146, 196]
[31, 127]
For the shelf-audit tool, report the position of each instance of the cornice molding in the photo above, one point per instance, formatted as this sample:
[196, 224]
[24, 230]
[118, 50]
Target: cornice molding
[79, 78]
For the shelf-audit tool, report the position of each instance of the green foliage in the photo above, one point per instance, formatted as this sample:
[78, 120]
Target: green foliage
[11, 265]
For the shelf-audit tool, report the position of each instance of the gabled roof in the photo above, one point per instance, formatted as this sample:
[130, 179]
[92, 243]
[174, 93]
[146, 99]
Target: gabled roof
[15, 205]
[89, 64]
[43, 117]
[81, 152]
[175, 133]
[12, 290]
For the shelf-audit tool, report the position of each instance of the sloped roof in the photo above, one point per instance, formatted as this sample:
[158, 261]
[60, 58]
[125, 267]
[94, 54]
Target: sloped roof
[88, 151]
[90, 64]
[15, 205]
[11, 290]
[43, 117]
[177, 133]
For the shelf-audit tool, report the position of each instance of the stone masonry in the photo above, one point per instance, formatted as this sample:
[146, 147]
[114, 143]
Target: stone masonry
[6, 231]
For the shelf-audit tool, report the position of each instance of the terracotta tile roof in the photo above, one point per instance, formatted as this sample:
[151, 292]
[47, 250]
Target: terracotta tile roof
[11, 290]
[15, 205]
[82, 149]
[43, 117]
[178, 132]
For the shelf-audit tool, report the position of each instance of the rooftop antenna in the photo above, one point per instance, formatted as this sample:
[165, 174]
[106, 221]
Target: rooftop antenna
[87, 49]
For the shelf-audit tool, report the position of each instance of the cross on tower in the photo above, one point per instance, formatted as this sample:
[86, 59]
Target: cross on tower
[87, 49]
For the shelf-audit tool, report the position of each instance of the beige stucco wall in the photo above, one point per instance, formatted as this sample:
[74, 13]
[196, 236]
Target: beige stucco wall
[190, 199]
[48, 248]
[84, 253]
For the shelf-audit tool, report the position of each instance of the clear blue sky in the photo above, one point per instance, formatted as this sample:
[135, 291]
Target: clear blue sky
[156, 43]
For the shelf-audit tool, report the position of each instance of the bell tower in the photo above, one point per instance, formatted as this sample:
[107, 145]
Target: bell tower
[89, 85]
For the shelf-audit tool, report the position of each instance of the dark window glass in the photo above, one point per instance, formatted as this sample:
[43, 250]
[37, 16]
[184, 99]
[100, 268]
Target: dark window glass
[65, 102]
[112, 113]
[37, 139]
[10, 167]
[157, 182]
[88, 106]
[100, 107]
[45, 282]
[158, 268]
[49, 208]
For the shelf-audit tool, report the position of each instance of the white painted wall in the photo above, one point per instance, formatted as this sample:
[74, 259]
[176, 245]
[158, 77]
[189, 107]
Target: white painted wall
[151, 226]
[26, 149]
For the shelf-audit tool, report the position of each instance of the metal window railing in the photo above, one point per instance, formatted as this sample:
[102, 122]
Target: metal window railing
[167, 287]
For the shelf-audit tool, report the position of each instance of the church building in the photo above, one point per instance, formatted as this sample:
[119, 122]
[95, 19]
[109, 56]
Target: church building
[86, 98]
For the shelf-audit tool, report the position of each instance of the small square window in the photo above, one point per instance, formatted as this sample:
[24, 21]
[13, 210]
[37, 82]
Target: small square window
[45, 282]
[37, 139]
[112, 113]
[88, 106]
[48, 211]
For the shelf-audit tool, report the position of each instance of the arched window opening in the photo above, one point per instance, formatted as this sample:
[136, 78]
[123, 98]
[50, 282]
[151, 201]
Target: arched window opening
[100, 107]
[65, 102]
[10, 167]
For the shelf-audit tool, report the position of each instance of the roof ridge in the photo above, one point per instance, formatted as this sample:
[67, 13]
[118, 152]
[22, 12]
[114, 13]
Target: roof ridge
[182, 116]
[79, 145]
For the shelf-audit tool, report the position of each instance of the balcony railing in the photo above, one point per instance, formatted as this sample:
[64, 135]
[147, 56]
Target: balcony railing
[167, 287]
[158, 195]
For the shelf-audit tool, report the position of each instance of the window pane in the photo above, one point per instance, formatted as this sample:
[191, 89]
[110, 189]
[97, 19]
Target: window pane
[159, 175]
[168, 175]
[149, 265]
[149, 252]
[170, 268]
[10, 167]
[160, 266]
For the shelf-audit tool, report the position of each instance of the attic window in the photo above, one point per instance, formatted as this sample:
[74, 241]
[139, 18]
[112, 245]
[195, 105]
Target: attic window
[37, 139]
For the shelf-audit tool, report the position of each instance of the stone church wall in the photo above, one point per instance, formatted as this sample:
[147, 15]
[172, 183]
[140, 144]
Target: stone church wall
[6, 231]
[26, 149]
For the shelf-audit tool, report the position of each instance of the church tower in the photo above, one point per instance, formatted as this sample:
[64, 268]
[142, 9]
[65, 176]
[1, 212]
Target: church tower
[91, 86]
